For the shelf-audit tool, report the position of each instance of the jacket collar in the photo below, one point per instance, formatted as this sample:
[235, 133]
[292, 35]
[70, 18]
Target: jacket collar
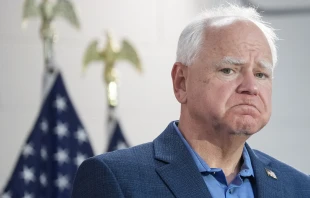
[177, 168]
[268, 181]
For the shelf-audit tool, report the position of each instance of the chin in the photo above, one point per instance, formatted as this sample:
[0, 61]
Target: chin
[242, 133]
[246, 126]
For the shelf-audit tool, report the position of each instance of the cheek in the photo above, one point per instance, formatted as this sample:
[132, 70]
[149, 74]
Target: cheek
[209, 93]
[266, 97]
[226, 93]
[220, 95]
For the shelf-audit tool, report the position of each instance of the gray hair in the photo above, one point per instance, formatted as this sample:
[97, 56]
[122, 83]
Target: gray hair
[191, 38]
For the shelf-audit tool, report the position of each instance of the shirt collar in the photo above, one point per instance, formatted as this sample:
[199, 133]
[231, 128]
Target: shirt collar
[246, 168]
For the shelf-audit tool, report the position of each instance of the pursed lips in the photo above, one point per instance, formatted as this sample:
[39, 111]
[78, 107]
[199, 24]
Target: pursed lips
[248, 104]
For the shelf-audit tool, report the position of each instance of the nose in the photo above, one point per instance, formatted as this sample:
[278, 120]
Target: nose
[248, 84]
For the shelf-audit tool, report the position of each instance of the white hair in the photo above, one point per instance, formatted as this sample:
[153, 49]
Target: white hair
[191, 38]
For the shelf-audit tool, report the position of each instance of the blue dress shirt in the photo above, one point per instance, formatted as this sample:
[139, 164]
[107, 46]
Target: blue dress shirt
[215, 178]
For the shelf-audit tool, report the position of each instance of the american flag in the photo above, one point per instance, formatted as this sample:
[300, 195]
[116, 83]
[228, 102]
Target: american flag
[117, 140]
[55, 148]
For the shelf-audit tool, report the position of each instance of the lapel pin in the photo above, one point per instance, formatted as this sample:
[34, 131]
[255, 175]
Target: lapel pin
[270, 173]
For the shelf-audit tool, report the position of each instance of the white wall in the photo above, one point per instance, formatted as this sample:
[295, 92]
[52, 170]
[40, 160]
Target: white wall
[147, 103]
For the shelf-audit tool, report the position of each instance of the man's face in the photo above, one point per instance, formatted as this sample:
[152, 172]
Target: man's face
[229, 85]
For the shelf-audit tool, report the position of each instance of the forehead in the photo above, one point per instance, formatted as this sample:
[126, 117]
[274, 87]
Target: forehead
[235, 38]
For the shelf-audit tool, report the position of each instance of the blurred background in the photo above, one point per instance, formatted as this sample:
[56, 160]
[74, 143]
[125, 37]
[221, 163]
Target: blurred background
[147, 103]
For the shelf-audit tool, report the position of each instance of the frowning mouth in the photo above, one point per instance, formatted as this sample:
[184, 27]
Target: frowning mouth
[247, 106]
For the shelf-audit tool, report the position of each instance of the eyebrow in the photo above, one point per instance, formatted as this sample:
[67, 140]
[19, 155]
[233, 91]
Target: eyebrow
[266, 65]
[232, 61]
[235, 61]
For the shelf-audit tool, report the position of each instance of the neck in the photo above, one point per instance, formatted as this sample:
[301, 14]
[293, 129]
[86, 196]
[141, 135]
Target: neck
[229, 160]
[219, 149]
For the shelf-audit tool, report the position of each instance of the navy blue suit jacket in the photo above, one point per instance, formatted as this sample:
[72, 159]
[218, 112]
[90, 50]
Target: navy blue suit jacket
[165, 168]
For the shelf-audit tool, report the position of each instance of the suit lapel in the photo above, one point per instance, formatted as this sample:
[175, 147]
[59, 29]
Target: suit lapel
[268, 181]
[176, 167]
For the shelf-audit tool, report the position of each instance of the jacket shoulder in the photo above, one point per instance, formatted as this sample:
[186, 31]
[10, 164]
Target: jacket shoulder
[107, 174]
[128, 155]
[128, 161]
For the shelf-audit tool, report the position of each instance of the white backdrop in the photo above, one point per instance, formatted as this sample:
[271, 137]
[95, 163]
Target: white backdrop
[147, 103]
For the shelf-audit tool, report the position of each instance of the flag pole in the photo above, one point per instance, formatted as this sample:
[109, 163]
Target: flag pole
[47, 11]
[48, 35]
[109, 56]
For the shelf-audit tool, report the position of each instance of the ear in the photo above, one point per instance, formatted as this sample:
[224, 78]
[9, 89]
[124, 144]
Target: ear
[179, 77]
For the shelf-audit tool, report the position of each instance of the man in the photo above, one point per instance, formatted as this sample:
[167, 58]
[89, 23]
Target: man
[223, 80]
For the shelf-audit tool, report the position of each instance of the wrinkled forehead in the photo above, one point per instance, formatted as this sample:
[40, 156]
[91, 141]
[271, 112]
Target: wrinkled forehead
[222, 32]
[231, 25]
[226, 35]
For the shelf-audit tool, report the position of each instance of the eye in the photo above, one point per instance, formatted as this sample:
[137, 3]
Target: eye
[227, 71]
[261, 75]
